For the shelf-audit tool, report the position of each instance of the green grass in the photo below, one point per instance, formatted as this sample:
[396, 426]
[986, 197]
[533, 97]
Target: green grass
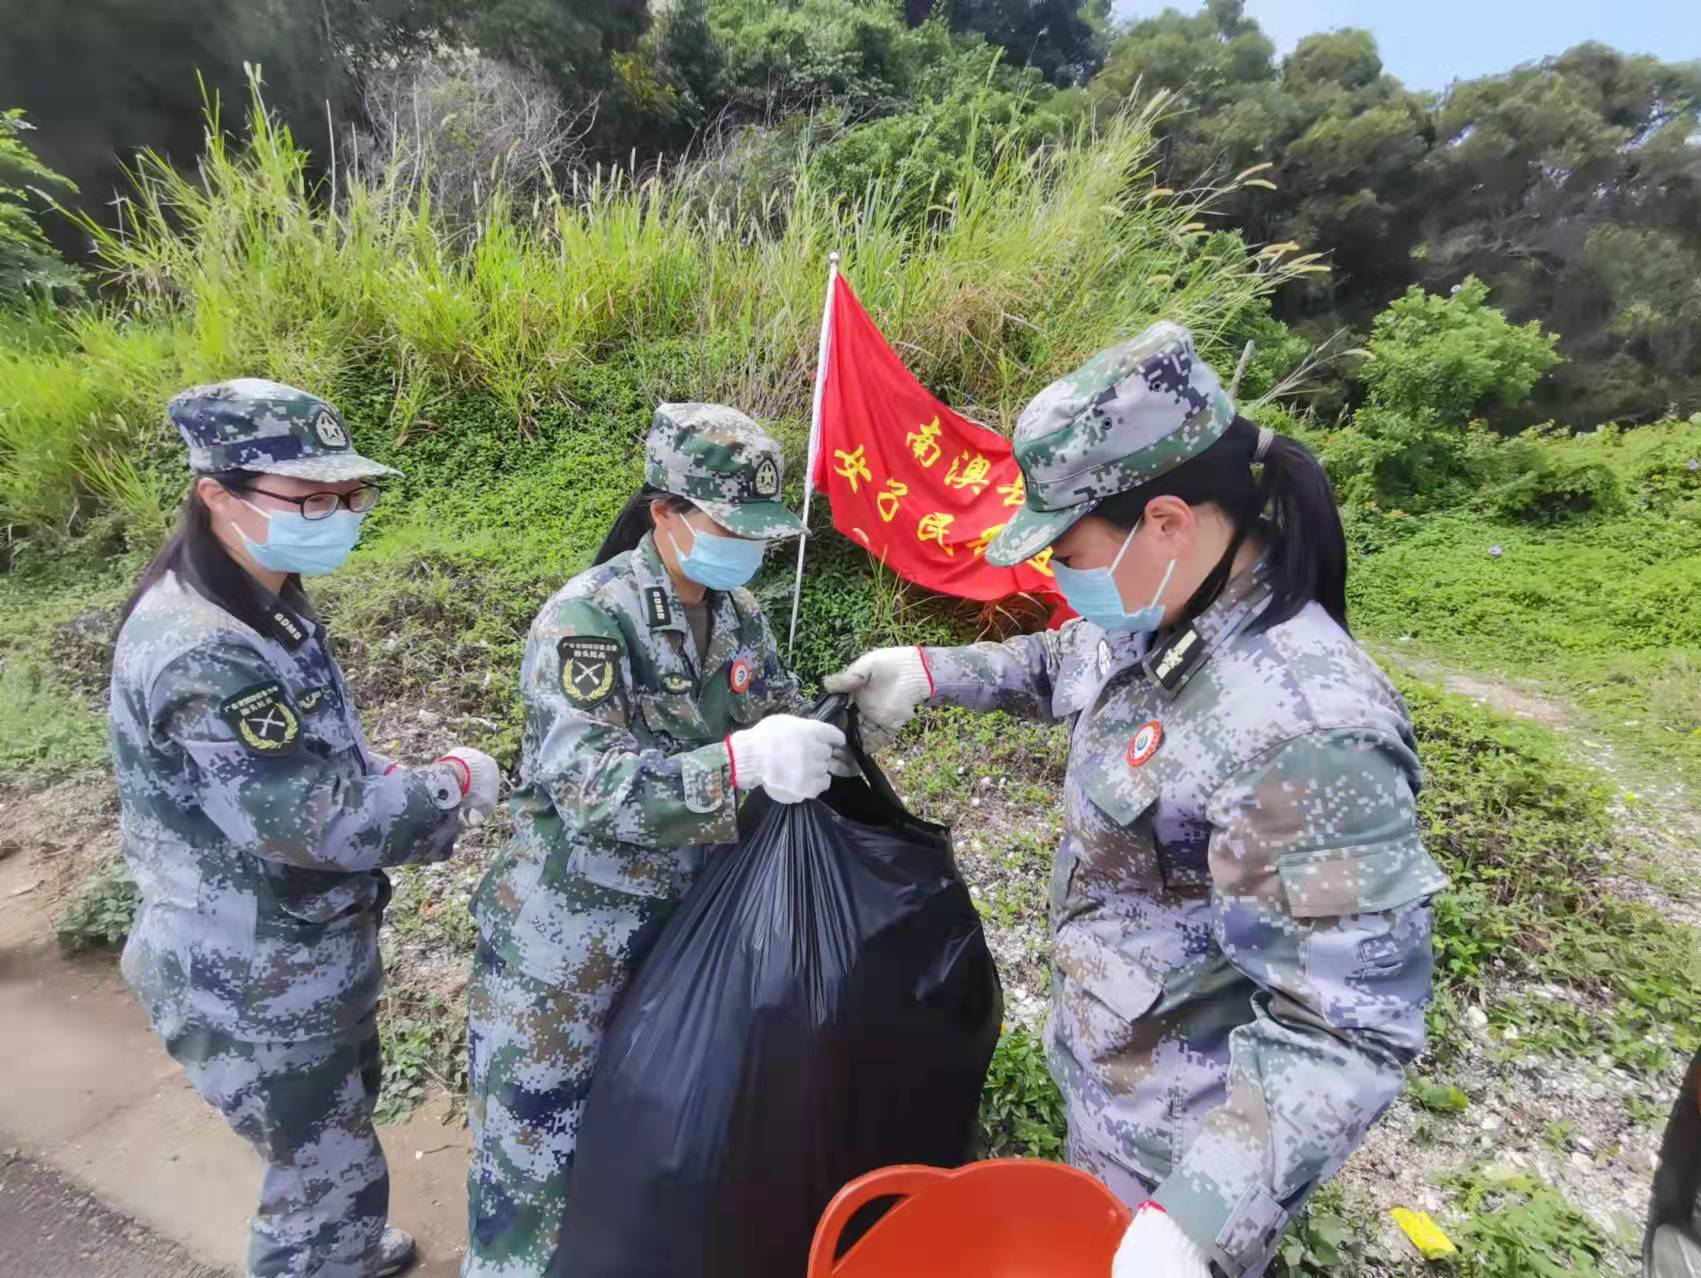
[1527, 836]
[1511, 1225]
[1600, 611]
[491, 363]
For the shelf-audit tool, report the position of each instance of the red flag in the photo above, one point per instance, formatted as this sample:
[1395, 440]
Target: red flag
[924, 489]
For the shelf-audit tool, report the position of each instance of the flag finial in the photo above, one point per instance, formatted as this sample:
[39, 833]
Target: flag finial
[833, 258]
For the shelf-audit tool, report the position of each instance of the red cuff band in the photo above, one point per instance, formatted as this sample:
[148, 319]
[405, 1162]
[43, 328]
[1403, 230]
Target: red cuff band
[926, 670]
[392, 767]
[466, 772]
[1154, 1204]
[732, 762]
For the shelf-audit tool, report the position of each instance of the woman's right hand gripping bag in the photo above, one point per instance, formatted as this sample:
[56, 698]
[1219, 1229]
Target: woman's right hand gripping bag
[822, 1004]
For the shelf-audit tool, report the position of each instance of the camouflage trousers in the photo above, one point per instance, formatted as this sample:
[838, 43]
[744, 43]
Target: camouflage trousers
[531, 1053]
[1138, 1090]
[307, 1109]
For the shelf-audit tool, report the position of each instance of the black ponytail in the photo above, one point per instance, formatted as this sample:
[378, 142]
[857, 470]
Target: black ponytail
[634, 520]
[1311, 544]
[1291, 507]
[195, 555]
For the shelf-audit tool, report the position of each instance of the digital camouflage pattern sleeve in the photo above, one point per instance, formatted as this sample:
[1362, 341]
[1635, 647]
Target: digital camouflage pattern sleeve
[1020, 676]
[269, 793]
[604, 783]
[1322, 889]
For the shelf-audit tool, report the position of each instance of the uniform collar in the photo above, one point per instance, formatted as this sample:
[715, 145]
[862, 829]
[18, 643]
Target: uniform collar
[291, 614]
[1178, 654]
[657, 598]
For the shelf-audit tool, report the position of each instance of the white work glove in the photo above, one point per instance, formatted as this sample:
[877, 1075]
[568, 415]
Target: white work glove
[788, 756]
[481, 782]
[1156, 1247]
[887, 685]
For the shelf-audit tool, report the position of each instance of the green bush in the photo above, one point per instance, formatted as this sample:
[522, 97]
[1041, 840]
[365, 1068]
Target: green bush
[31, 269]
[1453, 357]
[1517, 1227]
[1560, 490]
[458, 354]
[1021, 1110]
[101, 913]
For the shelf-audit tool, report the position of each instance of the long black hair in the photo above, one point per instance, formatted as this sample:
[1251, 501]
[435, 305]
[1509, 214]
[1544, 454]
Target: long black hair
[1291, 507]
[198, 558]
[634, 520]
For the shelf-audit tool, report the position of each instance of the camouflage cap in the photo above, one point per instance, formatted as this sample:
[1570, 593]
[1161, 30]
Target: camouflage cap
[252, 424]
[719, 459]
[1128, 415]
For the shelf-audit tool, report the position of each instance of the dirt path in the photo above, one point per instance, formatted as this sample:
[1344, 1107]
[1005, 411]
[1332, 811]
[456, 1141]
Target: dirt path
[1659, 817]
[92, 1097]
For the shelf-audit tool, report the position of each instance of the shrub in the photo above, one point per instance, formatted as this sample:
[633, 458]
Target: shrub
[1560, 489]
[1021, 1110]
[1453, 357]
[1040, 260]
[101, 913]
[30, 267]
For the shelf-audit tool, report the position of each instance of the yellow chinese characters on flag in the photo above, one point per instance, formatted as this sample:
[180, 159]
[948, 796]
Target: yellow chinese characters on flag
[924, 489]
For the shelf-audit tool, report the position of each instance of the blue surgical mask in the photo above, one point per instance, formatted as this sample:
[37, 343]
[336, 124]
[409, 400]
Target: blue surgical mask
[295, 543]
[720, 563]
[1092, 592]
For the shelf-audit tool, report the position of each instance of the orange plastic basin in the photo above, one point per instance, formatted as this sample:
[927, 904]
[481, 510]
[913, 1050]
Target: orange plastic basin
[1009, 1218]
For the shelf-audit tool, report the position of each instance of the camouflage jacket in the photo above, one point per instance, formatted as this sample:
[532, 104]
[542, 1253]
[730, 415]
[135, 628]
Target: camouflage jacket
[254, 817]
[1240, 817]
[624, 773]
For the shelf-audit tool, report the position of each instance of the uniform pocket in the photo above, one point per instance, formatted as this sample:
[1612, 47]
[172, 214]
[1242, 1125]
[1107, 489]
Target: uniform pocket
[1360, 879]
[661, 873]
[1100, 956]
[319, 896]
[1120, 792]
[676, 715]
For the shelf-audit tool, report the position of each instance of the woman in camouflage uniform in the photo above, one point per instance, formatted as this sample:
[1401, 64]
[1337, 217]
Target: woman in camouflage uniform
[256, 820]
[1240, 905]
[654, 693]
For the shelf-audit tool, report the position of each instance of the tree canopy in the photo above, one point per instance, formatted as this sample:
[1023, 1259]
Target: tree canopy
[1569, 189]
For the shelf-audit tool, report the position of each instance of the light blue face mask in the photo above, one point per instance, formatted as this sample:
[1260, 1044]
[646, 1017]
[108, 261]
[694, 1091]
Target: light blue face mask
[295, 543]
[1092, 592]
[720, 563]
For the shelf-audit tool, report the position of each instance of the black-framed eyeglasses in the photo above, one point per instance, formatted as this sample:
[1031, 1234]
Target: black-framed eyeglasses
[324, 505]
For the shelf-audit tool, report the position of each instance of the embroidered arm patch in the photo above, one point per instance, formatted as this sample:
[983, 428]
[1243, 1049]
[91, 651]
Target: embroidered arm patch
[590, 666]
[263, 719]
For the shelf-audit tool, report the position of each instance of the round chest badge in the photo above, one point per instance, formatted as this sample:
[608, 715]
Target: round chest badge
[1145, 743]
[767, 478]
[330, 431]
[739, 676]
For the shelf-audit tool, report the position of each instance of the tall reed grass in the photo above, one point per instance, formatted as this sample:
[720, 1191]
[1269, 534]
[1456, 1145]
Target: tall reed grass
[248, 266]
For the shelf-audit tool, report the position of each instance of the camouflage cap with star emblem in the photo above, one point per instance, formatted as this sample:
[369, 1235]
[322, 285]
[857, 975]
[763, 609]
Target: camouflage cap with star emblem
[1125, 417]
[251, 424]
[724, 463]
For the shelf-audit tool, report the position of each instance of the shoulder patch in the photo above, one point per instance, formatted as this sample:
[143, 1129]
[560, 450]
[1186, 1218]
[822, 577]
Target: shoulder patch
[263, 718]
[294, 633]
[589, 666]
[1176, 660]
[656, 607]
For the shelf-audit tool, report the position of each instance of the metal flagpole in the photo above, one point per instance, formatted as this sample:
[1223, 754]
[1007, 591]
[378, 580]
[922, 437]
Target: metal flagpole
[814, 443]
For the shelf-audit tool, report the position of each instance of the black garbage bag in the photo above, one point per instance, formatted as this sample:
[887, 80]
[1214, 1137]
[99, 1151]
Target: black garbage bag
[822, 1004]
